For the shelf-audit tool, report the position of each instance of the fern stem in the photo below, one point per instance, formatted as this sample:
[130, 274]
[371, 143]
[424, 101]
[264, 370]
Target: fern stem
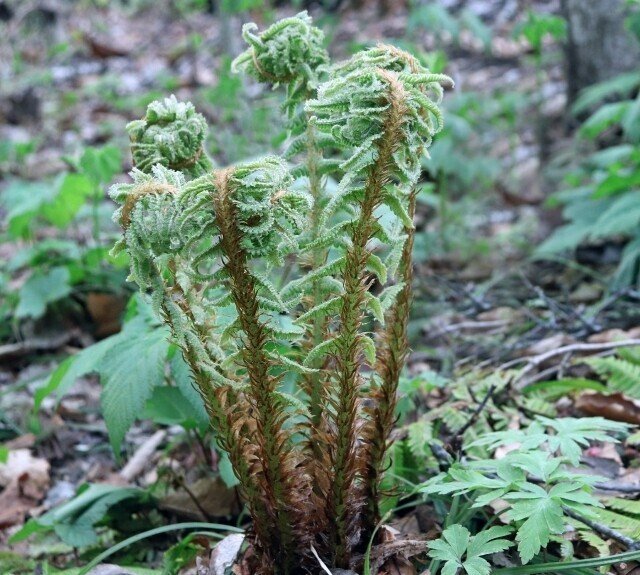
[314, 382]
[342, 498]
[273, 442]
[393, 350]
[220, 404]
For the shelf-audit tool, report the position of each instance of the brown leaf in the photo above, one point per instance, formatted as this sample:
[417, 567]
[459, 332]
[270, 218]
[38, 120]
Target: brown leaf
[100, 49]
[614, 406]
[106, 312]
[398, 566]
[214, 497]
[32, 472]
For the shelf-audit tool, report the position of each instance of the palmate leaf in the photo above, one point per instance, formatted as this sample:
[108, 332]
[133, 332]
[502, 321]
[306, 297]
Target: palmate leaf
[570, 435]
[460, 550]
[542, 513]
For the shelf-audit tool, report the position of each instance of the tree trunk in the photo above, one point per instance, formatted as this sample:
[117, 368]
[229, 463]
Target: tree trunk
[599, 46]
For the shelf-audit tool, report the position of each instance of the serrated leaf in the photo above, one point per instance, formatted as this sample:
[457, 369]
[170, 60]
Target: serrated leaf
[129, 371]
[41, 289]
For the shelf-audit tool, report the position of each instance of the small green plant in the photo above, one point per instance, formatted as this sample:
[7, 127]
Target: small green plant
[57, 266]
[600, 202]
[259, 271]
[535, 482]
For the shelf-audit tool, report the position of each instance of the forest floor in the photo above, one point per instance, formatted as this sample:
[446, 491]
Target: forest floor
[82, 73]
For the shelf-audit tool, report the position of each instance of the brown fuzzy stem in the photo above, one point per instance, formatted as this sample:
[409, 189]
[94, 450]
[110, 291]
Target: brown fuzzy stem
[273, 442]
[393, 347]
[313, 382]
[343, 501]
[221, 405]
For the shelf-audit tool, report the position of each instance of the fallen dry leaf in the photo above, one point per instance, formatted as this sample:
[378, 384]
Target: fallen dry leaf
[33, 472]
[615, 334]
[26, 480]
[614, 406]
[214, 497]
[225, 554]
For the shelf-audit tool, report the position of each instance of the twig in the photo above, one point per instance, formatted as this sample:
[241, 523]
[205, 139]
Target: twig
[601, 529]
[141, 457]
[442, 456]
[536, 360]
[13, 350]
[466, 325]
[620, 487]
[477, 411]
[456, 441]
[193, 498]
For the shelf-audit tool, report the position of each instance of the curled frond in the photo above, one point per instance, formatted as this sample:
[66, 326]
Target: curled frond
[288, 52]
[351, 107]
[171, 134]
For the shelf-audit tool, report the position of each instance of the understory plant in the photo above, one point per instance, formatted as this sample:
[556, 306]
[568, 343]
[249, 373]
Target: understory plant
[286, 281]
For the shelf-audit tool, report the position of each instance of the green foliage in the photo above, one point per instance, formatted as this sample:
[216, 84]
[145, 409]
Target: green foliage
[461, 550]
[602, 201]
[58, 267]
[75, 522]
[621, 372]
[537, 480]
[437, 20]
[41, 289]
[208, 248]
[131, 366]
[538, 26]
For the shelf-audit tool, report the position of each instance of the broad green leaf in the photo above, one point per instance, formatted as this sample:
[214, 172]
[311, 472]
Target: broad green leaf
[184, 382]
[23, 200]
[41, 289]
[72, 191]
[101, 164]
[168, 406]
[73, 521]
[129, 371]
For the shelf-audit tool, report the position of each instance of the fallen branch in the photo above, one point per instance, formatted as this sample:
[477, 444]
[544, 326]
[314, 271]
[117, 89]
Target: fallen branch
[604, 530]
[21, 348]
[141, 457]
[536, 360]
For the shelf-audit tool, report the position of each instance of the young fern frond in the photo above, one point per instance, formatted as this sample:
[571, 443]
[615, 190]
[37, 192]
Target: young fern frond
[291, 53]
[205, 243]
[375, 107]
[171, 134]
[218, 221]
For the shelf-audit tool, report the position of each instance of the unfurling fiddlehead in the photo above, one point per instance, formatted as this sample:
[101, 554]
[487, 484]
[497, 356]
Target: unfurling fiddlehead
[290, 53]
[181, 234]
[171, 134]
[204, 242]
[376, 107]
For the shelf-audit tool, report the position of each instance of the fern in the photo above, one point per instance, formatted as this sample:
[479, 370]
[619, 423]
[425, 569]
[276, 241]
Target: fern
[206, 243]
[171, 134]
[622, 375]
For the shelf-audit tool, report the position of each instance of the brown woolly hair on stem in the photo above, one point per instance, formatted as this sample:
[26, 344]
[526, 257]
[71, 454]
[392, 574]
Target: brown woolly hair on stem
[300, 396]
